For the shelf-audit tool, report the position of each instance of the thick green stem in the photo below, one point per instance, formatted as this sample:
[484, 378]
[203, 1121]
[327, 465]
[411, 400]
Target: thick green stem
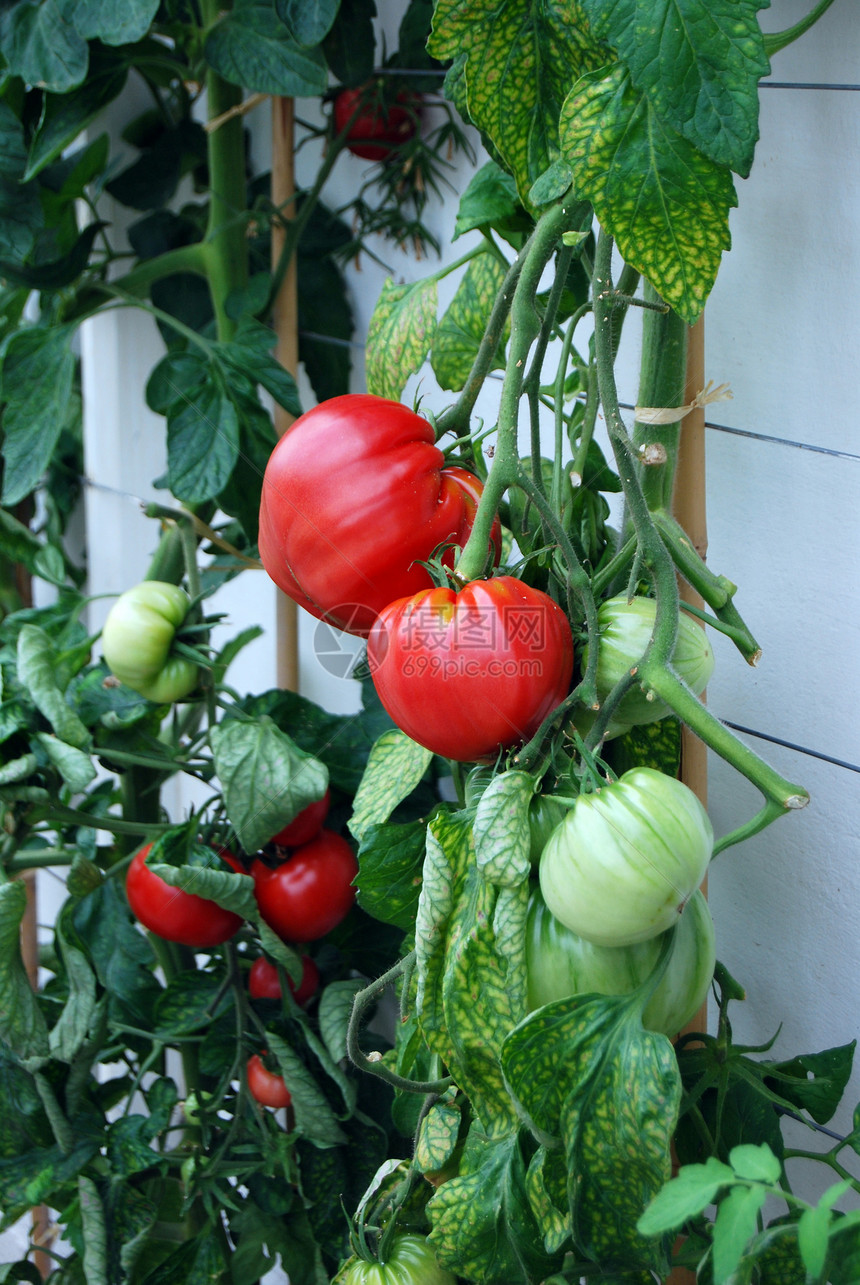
[362, 1002]
[779, 39]
[661, 383]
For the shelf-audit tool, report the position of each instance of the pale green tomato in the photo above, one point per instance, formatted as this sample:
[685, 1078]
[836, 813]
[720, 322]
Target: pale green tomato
[560, 963]
[410, 1261]
[626, 858]
[625, 630]
[137, 638]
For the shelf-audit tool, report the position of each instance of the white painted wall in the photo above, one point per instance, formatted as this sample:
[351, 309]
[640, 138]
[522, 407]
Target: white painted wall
[784, 524]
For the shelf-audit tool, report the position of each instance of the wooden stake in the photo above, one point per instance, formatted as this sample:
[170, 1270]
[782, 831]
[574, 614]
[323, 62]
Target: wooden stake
[689, 505]
[285, 320]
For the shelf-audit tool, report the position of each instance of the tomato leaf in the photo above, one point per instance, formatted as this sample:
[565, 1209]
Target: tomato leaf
[73, 1025]
[202, 444]
[584, 1072]
[736, 1224]
[437, 1136]
[42, 46]
[266, 779]
[251, 47]
[22, 1025]
[460, 332]
[520, 62]
[307, 21]
[699, 62]
[37, 670]
[75, 767]
[37, 379]
[390, 858]
[66, 115]
[395, 766]
[683, 1197]
[399, 335]
[483, 1225]
[491, 200]
[502, 839]
[315, 1119]
[814, 1082]
[665, 203]
[114, 24]
[335, 1010]
[194, 867]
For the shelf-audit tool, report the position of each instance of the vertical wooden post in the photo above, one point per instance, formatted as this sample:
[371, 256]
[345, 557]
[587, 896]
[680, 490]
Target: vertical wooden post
[689, 505]
[287, 351]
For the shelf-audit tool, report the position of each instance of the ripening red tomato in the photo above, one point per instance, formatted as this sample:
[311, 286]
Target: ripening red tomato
[305, 826]
[265, 983]
[268, 1088]
[376, 131]
[307, 895]
[174, 914]
[355, 497]
[468, 673]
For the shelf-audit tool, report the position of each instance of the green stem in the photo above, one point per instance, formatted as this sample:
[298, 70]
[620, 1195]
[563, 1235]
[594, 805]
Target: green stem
[827, 1158]
[226, 243]
[114, 825]
[777, 40]
[525, 329]
[661, 383]
[167, 563]
[362, 1002]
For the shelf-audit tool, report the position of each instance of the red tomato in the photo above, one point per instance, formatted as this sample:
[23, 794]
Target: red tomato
[305, 826]
[468, 673]
[268, 1088]
[264, 982]
[174, 914]
[354, 497]
[376, 131]
[311, 892]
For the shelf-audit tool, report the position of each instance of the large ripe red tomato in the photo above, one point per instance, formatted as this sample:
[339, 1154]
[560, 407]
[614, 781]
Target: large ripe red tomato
[355, 496]
[264, 981]
[174, 914]
[305, 826]
[468, 673]
[266, 1086]
[376, 130]
[307, 895]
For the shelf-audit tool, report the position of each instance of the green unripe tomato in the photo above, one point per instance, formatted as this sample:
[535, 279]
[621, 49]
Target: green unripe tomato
[410, 1261]
[560, 963]
[625, 629]
[545, 814]
[626, 858]
[137, 638]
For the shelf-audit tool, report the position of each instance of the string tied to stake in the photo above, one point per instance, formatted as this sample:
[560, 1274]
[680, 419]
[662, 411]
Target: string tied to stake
[672, 414]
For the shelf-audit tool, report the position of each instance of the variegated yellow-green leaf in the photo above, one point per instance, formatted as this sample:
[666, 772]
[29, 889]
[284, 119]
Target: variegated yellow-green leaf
[546, 1184]
[666, 204]
[399, 336]
[459, 333]
[437, 1137]
[395, 765]
[699, 62]
[522, 59]
[585, 1071]
[502, 829]
[483, 1224]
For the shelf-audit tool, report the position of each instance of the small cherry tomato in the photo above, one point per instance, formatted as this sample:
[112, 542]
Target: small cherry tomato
[174, 914]
[305, 826]
[311, 892]
[264, 982]
[268, 1088]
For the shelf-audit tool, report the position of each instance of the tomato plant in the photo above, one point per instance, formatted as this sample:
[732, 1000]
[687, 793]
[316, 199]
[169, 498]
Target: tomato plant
[467, 673]
[173, 913]
[265, 1086]
[309, 894]
[137, 638]
[265, 983]
[376, 129]
[560, 964]
[305, 826]
[409, 1260]
[626, 858]
[355, 498]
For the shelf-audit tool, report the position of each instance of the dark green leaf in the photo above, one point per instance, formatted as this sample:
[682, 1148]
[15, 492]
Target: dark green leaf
[190, 1001]
[202, 445]
[390, 859]
[22, 1271]
[266, 779]
[41, 45]
[119, 952]
[249, 356]
[325, 325]
[38, 672]
[111, 704]
[152, 179]
[491, 200]
[21, 217]
[307, 21]
[350, 46]
[814, 1082]
[37, 377]
[315, 1119]
[129, 1145]
[73, 1025]
[250, 47]
[33, 1177]
[699, 62]
[65, 116]
[56, 273]
[665, 203]
[75, 767]
[199, 1261]
[22, 1026]
[182, 862]
[114, 24]
[13, 151]
[335, 1009]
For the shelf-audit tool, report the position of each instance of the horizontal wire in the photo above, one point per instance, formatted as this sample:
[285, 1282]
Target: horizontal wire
[768, 437]
[790, 745]
[797, 84]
